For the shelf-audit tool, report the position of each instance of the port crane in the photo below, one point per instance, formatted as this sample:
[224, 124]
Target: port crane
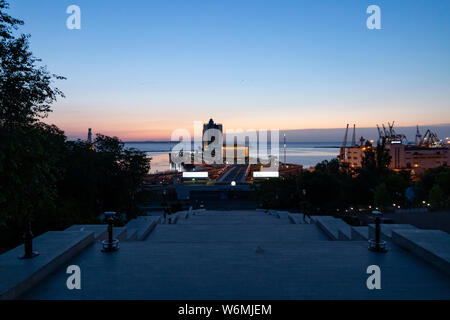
[379, 133]
[344, 146]
[430, 139]
[354, 136]
[390, 135]
[418, 136]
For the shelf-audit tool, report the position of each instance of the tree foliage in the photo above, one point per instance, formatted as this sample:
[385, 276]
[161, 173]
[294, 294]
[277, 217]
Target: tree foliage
[26, 88]
[334, 186]
[382, 197]
[44, 178]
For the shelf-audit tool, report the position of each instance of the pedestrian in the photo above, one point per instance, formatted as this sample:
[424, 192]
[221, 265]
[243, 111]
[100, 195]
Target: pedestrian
[305, 214]
[303, 208]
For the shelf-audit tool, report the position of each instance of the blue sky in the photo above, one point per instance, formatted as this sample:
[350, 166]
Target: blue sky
[140, 69]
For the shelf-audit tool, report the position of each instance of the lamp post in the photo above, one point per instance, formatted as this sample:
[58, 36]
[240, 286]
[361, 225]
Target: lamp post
[111, 244]
[166, 208]
[28, 244]
[377, 245]
[164, 193]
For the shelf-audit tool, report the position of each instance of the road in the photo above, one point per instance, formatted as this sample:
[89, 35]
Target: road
[235, 173]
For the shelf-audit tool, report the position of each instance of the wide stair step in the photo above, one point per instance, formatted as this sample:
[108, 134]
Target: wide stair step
[335, 229]
[138, 229]
[235, 233]
[360, 233]
[432, 246]
[55, 248]
[100, 230]
[387, 229]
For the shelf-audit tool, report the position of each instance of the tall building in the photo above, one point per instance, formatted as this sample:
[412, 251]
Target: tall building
[210, 125]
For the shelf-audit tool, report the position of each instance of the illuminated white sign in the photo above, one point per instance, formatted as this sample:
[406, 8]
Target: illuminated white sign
[190, 174]
[265, 174]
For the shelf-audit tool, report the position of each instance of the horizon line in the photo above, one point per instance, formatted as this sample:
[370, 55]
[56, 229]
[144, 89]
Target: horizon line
[167, 139]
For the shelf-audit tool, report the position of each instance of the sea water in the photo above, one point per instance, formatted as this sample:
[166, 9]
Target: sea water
[305, 153]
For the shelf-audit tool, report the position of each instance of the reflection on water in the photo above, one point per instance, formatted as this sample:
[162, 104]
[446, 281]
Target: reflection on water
[306, 154]
[160, 162]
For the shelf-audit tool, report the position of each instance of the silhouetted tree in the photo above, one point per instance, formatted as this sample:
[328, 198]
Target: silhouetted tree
[44, 178]
[436, 196]
[26, 89]
[382, 197]
[28, 148]
[29, 173]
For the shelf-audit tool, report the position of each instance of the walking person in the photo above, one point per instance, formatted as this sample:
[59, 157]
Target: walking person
[305, 214]
[304, 208]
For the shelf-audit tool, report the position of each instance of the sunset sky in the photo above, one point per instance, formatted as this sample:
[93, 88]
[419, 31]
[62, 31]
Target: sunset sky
[140, 69]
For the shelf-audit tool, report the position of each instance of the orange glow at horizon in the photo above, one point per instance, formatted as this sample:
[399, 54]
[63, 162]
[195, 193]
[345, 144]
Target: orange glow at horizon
[142, 123]
[141, 130]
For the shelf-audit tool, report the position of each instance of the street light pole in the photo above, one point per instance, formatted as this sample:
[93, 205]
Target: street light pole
[377, 245]
[28, 244]
[111, 244]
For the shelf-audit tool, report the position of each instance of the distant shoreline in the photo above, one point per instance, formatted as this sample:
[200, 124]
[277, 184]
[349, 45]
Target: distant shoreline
[314, 144]
[333, 136]
[328, 145]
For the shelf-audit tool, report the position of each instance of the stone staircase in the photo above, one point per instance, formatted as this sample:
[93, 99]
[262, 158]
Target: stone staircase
[100, 230]
[297, 218]
[294, 218]
[231, 255]
[235, 226]
[335, 229]
[138, 229]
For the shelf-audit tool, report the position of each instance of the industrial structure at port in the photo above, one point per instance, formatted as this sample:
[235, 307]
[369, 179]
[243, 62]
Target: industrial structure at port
[426, 152]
